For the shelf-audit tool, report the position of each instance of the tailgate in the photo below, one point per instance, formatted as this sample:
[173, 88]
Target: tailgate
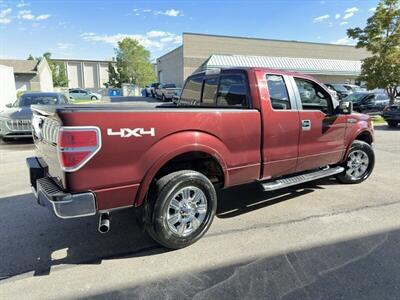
[45, 127]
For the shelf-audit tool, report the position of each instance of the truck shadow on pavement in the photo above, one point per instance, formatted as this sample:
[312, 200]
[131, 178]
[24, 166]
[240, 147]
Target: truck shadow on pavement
[236, 201]
[34, 240]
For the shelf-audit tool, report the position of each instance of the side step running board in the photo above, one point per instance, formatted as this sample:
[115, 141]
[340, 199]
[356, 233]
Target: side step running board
[289, 181]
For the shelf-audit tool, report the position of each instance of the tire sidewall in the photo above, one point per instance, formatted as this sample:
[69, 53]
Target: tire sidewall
[164, 235]
[359, 145]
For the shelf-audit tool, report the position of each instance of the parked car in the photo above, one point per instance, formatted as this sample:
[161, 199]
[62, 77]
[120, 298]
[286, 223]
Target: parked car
[354, 88]
[341, 91]
[153, 88]
[146, 91]
[166, 92]
[83, 94]
[332, 91]
[229, 128]
[368, 103]
[15, 121]
[391, 114]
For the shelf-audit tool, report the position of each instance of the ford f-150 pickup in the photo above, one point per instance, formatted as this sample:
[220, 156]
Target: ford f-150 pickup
[230, 127]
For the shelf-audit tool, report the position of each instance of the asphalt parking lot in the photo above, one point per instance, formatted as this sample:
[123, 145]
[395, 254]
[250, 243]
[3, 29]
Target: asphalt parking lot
[322, 240]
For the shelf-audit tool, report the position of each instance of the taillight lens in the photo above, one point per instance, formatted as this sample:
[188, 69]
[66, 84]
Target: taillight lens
[76, 139]
[77, 145]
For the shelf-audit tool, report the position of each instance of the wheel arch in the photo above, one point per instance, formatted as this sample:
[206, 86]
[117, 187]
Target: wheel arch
[363, 135]
[185, 153]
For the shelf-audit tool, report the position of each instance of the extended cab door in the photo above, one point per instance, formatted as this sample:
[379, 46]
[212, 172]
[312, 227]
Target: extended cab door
[322, 131]
[281, 125]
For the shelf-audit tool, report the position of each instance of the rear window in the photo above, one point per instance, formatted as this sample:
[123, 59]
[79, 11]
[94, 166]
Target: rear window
[232, 91]
[209, 91]
[192, 91]
[28, 100]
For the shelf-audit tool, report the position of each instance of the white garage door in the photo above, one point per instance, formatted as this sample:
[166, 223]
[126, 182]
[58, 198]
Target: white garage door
[74, 75]
[90, 74]
[103, 74]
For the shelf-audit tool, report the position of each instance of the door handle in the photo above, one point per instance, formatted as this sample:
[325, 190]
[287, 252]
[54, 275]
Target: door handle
[306, 125]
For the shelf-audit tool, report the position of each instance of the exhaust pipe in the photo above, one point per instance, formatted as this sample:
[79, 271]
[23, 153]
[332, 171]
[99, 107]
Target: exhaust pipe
[104, 222]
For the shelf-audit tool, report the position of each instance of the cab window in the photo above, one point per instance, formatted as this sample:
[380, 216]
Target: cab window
[313, 97]
[232, 91]
[209, 91]
[191, 92]
[278, 93]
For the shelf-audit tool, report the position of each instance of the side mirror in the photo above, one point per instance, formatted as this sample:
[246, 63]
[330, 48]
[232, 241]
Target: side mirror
[346, 107]
[9, 105]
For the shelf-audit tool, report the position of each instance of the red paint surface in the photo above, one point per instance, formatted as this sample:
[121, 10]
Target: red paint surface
[250, 144]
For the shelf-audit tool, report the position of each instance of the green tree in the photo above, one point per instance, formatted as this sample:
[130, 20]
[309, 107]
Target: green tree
[133, 65]
[58, 71]
[30, 57]
[113, 77]
[381, 37]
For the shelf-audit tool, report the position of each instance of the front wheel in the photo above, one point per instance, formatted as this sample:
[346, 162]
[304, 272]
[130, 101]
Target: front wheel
[359, 163]
[180, 208]
[93, 98]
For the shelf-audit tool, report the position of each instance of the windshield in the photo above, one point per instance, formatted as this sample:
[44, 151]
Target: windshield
[28, 100]
[355, 97]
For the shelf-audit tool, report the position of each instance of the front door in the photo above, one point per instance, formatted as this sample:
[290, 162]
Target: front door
[322, 132]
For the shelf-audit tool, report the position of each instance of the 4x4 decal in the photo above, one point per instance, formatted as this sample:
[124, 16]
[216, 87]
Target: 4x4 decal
[128, 132]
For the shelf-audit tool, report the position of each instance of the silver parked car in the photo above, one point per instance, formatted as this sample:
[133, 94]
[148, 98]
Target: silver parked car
[167, 91]
[15, 120]
[83, 94]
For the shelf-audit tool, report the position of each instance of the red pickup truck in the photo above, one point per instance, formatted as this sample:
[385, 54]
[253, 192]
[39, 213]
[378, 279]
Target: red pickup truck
[230, 127]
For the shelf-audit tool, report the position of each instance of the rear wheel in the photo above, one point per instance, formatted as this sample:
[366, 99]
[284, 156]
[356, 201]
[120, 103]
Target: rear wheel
[93, 98]
[392, 124]
[180, 208]
[359, 163]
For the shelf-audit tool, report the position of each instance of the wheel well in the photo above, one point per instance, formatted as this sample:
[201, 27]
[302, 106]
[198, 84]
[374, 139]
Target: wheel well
[365, 136]
[197, 161]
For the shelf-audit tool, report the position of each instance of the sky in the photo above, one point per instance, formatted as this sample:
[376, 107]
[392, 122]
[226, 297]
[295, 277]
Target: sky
[91, 29]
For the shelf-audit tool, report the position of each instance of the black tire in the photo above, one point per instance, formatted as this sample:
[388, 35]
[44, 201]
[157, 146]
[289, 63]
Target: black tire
[357, 147]
[163, 98]
[392, 124]
[4, 140]
[157, 206]
[153, 95]
[146, 94]
[93, 98]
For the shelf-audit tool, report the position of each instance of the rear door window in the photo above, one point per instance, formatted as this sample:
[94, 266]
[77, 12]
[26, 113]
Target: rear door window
[278, 92]
[232, 91]
[191, 93]
[210, 91]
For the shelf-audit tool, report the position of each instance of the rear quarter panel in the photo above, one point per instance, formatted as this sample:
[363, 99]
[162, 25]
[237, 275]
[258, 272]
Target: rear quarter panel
[126, 165]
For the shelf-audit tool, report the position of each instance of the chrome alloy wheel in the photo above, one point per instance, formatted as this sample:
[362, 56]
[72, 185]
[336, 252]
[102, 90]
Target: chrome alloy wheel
[357, 164]
[187, 210]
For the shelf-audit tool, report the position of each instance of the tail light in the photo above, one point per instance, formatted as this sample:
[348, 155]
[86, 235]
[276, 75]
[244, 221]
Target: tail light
[77, 145]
